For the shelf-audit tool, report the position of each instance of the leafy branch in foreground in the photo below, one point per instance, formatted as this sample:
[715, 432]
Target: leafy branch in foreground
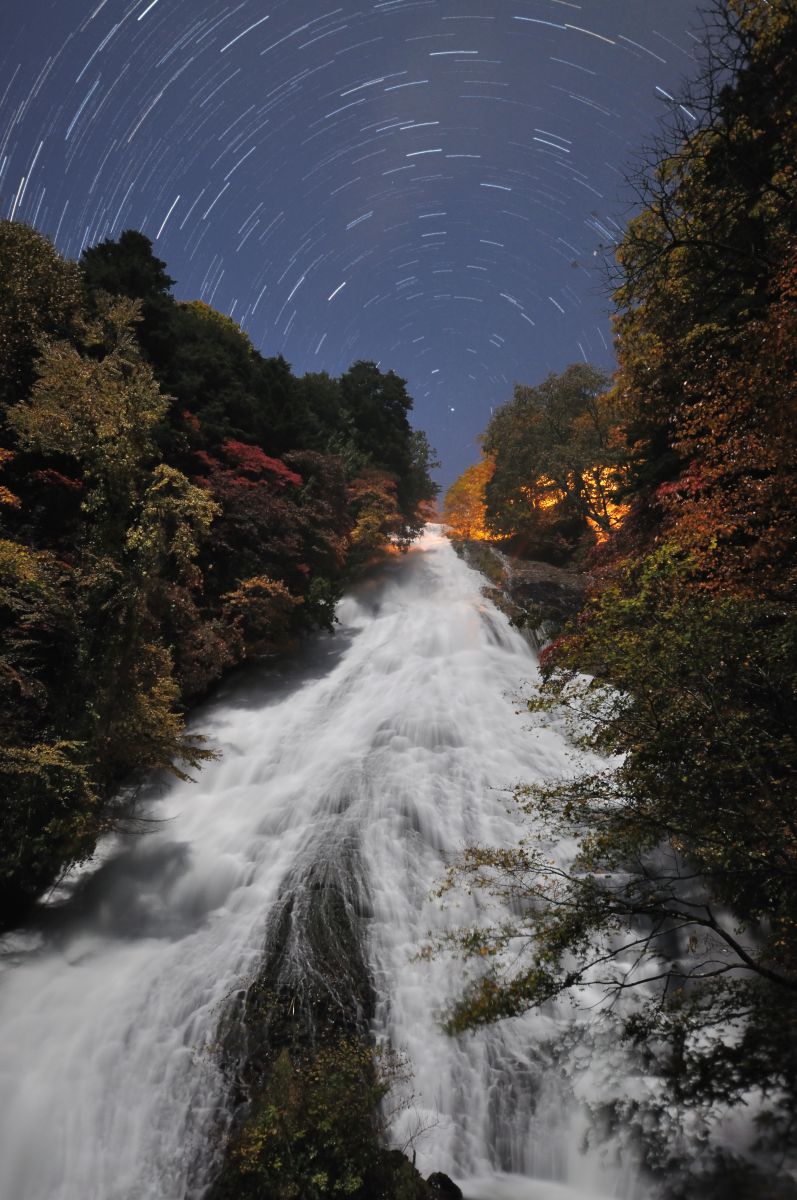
[681, 893]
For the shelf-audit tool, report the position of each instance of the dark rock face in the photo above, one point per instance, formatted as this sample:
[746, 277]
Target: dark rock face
[444, 1187]
[538, 598]
[305, 1080]
[543, 597]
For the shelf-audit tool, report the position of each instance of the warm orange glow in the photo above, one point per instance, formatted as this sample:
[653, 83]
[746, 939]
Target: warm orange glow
[464, 509]
[544, 494]
[605, 515]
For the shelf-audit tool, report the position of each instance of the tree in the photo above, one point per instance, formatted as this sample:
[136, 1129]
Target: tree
[681, 893]
[98, 410]
[211, 368]
[464, 507]
[734, 504]
[325, 424]
[373, 501]
[717, 217]
[557, 459]
[416, 488]
[126, 267]
[40, 296]
[257, 529]
[378, 405]
[684, 881]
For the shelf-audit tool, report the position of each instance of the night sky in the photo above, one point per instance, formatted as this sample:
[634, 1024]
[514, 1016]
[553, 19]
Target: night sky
[425, 183]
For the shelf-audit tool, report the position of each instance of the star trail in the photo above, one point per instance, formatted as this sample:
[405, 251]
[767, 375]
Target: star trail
[430, 184]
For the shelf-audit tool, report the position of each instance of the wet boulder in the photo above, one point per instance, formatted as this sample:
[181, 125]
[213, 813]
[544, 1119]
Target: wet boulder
[443, 1187]
[538, 597]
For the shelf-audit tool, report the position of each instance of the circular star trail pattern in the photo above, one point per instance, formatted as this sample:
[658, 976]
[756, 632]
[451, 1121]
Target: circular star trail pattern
[424, 183]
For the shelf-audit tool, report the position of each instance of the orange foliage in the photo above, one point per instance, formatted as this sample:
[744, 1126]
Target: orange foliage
[602, 512]
[7, 497]
[734, 507]
[464, 508]
[605, 513]
[373, 503]
[544, 493]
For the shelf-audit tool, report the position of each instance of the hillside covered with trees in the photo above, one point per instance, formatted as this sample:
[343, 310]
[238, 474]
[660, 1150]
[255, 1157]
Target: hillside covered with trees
[173, 504]
[674, 484]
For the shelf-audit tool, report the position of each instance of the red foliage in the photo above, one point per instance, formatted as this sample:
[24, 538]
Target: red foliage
[271, 527]
[547, 659]
[373, 485]
[687, 485]
[50, 478]
[253, 461]
[735, 507]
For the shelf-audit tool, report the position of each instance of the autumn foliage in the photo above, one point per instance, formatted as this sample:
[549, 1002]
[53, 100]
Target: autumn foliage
[680, 668]
[549, 479]
[734, 503]
[173, 504]
[465, 504]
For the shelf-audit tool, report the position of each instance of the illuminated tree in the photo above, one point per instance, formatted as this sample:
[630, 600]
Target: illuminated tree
[464, 506]
[558, 460]
[680, 667]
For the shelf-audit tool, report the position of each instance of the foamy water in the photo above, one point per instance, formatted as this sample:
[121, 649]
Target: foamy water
[388, 748]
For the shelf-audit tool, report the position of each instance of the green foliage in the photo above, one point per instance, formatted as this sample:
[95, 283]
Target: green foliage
[38, 633]
[681, 894]
[214, 373]
[175, 516]
[718, 217]
[98, 411]
[416, 489]
[129, 268]
[375, 435]
[378, 405]
[697, 691]
[51, 817]
[555, 462]
[126, 268]
[40, 296]
[173, 503]
[260, 611]
[321, 601]
[315, 1131]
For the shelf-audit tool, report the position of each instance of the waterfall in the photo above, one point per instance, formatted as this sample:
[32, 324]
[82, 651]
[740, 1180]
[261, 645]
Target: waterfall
[373, 756]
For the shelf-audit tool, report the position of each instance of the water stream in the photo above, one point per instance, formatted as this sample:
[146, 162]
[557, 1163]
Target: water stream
[377, 754]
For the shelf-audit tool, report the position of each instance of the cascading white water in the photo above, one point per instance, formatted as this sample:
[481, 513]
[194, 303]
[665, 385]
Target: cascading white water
[386, 747]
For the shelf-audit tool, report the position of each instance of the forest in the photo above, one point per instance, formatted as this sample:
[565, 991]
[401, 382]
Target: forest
[173, 504]
[672, 485]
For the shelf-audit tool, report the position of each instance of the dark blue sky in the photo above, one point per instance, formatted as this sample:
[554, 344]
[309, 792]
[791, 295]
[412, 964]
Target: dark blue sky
[424, 183]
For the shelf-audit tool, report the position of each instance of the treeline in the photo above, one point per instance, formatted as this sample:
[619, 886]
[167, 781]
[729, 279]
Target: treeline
[682, 663]
[547, 482]
[173, 503]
